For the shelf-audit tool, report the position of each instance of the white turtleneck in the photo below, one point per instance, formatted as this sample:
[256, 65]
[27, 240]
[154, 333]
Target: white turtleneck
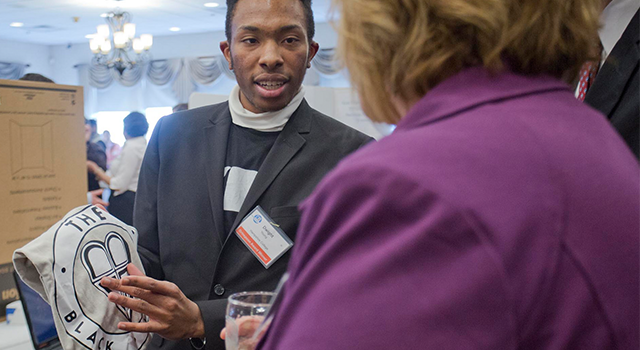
[267, 121]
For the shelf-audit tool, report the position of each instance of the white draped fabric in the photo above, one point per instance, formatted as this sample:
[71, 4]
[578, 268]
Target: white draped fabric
[11, 70]
[159, 83]
[168, 82]
[326, 63]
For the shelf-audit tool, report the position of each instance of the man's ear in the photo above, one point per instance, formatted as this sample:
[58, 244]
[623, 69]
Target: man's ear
[226, 51]
[313, 50]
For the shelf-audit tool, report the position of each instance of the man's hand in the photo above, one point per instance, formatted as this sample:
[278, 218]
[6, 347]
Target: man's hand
[247, 326]
[171, 314]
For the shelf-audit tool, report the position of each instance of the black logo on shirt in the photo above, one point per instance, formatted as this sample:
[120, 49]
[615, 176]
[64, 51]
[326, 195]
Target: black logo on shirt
[107, 259]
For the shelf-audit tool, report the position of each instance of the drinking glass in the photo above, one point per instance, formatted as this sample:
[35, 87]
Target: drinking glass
[245, 312]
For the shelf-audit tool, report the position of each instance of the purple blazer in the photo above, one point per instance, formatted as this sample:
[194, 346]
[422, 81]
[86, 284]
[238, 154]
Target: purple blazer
[501, 214]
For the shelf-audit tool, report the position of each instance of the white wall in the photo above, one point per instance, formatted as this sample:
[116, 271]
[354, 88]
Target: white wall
[37, 56]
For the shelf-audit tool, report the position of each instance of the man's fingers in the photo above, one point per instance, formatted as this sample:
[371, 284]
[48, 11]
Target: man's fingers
[160, 287]
[140, 305]
[133, 291]
[142, 327]
[248, 325]
[137, 292]
[111, 283]
[134, 270]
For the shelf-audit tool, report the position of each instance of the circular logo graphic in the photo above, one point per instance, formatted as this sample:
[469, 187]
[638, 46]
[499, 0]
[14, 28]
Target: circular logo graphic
[89, 246]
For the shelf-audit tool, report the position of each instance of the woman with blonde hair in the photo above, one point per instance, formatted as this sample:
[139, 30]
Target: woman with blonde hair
[501, 214]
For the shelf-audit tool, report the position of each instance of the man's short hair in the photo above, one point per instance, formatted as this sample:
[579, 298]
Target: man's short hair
[135, 124]
[306, 6]
[36, 77]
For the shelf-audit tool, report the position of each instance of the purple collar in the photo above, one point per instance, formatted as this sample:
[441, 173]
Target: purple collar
[473, 87]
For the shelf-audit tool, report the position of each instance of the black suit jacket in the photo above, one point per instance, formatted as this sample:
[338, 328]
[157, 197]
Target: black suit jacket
[179, 203]
[615, 90]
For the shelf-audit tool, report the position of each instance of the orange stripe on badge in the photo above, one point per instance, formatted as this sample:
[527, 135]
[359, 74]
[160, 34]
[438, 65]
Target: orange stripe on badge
[254, 246]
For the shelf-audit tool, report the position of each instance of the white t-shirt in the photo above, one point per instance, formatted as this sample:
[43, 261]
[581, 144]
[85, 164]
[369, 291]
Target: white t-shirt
[125, 169]
[65, 266]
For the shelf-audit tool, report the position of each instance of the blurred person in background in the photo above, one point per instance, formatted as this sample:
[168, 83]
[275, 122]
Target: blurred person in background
[95, 137]
[502, 213]
[112, 149]
[122, 177]
[95, 155]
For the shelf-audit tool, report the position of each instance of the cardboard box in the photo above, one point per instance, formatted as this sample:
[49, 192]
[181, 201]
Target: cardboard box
[43, 171]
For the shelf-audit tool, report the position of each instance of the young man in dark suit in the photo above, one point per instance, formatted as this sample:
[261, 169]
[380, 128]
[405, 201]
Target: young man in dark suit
[207, 169]
[615, 89]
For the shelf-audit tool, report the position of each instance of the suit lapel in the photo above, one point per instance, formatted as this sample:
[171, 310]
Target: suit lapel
[616, 71]
[216, 136]
[288, 143]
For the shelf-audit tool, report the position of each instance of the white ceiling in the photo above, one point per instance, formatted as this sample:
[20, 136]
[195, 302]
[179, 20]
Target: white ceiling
[53, 22]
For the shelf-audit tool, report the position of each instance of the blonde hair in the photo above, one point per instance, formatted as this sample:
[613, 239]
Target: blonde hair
[400, 49]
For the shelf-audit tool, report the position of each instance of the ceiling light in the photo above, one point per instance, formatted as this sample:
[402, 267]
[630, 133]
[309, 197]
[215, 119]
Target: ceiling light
[211, 4]
[113, 43]
[104, 15]
[174, 29]
[147, 41]
[16, 24]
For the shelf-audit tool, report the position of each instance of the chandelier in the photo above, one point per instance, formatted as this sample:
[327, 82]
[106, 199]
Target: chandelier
[121, 50]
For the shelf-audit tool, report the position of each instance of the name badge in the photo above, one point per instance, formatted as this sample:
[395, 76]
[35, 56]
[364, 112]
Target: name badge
[263, 237]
